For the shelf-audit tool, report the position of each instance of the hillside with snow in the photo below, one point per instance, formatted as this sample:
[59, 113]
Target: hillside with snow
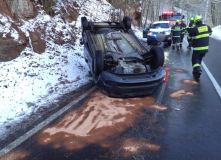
[50, 62]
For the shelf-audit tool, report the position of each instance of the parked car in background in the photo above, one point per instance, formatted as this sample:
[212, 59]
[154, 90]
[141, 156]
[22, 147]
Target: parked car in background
[156, 28]
[118, 61]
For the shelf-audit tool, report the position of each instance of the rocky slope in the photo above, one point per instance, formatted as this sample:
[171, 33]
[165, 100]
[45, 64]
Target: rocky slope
[14, 15]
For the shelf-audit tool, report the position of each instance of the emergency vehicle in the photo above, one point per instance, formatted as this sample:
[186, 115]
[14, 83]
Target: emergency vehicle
[171, 16]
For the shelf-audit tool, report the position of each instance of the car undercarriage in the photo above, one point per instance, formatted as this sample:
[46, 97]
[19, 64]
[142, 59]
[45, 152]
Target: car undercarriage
[118, 61]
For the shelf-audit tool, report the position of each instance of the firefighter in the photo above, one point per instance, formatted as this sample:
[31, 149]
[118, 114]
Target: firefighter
[200, 37]
[191, 25]
[176, 33]
[183, 31]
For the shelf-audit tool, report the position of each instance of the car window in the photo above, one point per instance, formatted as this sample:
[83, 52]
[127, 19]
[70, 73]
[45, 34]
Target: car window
[160, 25]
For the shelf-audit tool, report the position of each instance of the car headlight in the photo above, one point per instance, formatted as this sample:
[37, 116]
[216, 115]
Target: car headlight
[167, 33]
[151, 34]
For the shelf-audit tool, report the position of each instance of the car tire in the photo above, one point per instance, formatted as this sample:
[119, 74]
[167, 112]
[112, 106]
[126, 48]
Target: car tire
[158, 57]
[127, 22]
[149, 43]
[98, 63]
[84, 23]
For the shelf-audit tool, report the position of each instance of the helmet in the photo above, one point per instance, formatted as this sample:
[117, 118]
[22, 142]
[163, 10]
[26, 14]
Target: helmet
[197, 19]
[177, 21]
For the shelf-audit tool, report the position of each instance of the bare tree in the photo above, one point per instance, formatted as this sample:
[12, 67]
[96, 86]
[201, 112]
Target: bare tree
[209, 9]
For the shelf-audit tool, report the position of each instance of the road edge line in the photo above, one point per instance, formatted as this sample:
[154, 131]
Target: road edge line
[43, 124]
[213, 80]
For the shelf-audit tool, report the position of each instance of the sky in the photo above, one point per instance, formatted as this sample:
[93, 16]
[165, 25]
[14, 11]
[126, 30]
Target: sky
[32, 80]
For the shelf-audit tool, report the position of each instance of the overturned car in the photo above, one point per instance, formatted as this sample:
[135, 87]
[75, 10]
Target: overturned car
[119, 63]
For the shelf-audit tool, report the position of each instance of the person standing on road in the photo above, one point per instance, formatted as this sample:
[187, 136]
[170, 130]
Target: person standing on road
[200, 37]
[176, 33]
[191, 25]
[183, 31]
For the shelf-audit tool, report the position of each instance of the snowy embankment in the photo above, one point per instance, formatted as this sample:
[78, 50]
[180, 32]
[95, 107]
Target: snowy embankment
[32, 80]
[217, 32]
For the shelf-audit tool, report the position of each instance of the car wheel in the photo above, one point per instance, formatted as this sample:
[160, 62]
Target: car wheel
[84, 23]
[127, 22]
[158, 57]
[98, 63]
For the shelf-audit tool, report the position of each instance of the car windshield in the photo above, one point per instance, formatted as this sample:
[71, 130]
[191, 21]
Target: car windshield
[160, 25]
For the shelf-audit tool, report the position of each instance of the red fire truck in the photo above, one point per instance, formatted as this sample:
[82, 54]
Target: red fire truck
[171, 16]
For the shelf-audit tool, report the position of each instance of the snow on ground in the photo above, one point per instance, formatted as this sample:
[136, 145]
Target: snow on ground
[139, 33]
[6, 27]
[37, 79]
[217, 32]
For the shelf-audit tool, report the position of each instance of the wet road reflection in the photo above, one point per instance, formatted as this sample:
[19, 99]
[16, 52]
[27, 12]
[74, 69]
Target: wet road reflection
[192, 122]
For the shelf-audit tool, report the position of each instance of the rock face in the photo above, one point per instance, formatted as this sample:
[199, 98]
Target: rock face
[38, 44]
[4, 8]
[15, 34]
[10, 49]
[69, 13]
[21, 8]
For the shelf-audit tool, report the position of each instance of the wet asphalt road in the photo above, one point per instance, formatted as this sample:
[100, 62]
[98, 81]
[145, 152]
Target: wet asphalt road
[212, 59]
[193, 129]
[186, 126]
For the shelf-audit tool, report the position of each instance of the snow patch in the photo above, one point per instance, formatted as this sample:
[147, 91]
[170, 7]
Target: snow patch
[217, 32]
[6, 28]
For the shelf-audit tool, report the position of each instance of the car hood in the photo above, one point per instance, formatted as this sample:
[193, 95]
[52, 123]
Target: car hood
[160, 30]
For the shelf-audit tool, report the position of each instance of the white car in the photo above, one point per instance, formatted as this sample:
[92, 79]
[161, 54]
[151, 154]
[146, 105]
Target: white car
[158, 27]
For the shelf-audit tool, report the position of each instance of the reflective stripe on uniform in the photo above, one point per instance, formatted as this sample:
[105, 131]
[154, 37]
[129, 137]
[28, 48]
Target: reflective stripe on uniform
[196, 65]
[202, 29]
[201, 36]
[201, 48]
[176, 29]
